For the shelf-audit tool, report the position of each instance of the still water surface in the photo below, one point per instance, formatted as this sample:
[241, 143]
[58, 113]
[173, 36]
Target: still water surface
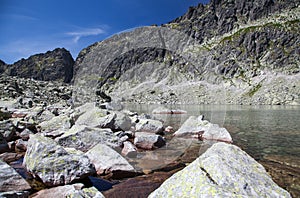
[259, 130]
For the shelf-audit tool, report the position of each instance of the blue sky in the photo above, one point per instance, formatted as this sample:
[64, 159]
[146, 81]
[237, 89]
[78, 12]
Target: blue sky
[36, 26]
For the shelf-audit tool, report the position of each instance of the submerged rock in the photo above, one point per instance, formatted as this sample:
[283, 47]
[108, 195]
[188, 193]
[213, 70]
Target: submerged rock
[164, 110]
[224, 170]
[51, 163]
[11, 183]
[202, 129]
[107, 160]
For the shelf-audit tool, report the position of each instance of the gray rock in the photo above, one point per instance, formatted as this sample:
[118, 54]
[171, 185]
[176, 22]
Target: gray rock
[3, 145]
[57, 125]
[51, 163]
[21, 145]
[129, 150]
[107, 160]
[84, 137]
[224, 170]
[11, 182]
[24, 135]
[75, 190]
[96, 118]
[7, 129]
[149, 125]
[10, 157]
[202, 129]
[149, 141]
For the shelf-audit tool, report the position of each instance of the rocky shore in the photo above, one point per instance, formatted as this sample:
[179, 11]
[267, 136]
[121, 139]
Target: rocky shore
[63, 150]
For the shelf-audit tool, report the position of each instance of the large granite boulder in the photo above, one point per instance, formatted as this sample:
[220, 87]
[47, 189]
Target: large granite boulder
[224, 170]
[96, 117]
[75, 190]
[56, 126]
[107, 160]
[83, 137]
[11, 183]
[51, 163]
[202, 129]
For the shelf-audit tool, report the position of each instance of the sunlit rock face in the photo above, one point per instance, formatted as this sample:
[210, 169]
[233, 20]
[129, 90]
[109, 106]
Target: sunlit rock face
[223, 170]
[237, 52]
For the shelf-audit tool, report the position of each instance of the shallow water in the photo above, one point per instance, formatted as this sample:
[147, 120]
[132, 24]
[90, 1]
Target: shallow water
[259, 130]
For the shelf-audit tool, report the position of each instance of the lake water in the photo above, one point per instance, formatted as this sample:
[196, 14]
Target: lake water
[259, 130]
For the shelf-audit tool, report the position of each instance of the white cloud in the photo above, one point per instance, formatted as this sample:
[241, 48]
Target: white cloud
[84, 32]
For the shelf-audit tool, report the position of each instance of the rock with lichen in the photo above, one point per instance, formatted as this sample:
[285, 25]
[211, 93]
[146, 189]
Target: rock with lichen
[224, 170]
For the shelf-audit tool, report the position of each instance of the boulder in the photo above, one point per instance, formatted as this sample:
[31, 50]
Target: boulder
[7, 129]
[56, 126]
[95, 117]
[11, 183]
[10, 157]
[51, 163]
[83, 137]
[75, 190]
[107, 160]
[100, 118]
[129, 150]
[3, 145]
[148, 141]
[21, 145]
[149, 125]
[224, 170]
[202, 129]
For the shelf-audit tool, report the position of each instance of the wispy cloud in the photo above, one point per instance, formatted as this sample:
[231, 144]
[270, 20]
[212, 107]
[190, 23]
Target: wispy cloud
[85, 32]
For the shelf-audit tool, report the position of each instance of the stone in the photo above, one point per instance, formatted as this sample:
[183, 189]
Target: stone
[7, 129]
[169, 129]
[11, 182]
[4, 115]
[148, 141]
[198, 128]
[129, 150]
[83, 137]
[149, 125]
[3, 145]
[57, 125]
[224, 170]
[95, 117]
[75, 190]
[24, 135]
[107, 160]
[51, 163]
[21, 145]
[10, 157]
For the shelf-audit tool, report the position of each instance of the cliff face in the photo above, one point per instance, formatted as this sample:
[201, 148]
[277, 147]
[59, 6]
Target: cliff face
[240, 52]
[56, 65]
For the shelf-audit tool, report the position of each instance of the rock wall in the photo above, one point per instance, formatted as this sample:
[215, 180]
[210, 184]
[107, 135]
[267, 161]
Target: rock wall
[232, 52]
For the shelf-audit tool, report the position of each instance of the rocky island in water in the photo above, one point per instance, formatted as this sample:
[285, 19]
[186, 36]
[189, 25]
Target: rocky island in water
[64, 131]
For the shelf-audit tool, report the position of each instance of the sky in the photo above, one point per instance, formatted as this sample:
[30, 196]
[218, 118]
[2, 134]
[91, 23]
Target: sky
[29, 27]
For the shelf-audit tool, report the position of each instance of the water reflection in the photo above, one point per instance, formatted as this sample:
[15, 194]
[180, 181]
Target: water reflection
[259, 130]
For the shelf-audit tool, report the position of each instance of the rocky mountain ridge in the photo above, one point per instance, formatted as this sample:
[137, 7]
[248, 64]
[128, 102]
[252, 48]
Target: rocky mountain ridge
[56, 65]
[201, 58]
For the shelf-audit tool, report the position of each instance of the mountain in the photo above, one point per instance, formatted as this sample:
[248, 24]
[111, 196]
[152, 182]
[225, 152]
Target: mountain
[56, 65]
[228, 51]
